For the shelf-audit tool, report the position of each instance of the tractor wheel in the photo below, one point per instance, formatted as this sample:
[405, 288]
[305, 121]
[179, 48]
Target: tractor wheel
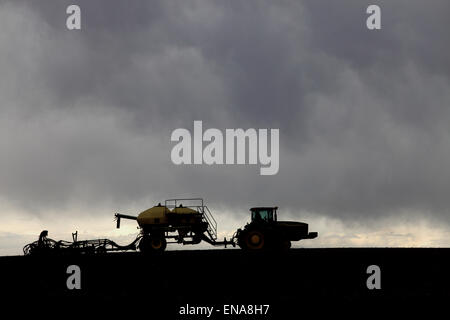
[254, 240]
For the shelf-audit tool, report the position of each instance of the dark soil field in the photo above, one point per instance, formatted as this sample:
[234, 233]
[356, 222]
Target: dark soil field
[317, 281]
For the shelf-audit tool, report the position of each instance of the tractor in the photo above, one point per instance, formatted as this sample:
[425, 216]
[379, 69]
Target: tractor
[265, 232]
[190, 223]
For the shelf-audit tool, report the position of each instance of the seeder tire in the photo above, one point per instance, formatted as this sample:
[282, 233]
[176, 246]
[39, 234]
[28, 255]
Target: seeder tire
[152, 244]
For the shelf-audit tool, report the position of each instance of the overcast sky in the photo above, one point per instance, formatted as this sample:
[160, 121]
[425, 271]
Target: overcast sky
[364, 116]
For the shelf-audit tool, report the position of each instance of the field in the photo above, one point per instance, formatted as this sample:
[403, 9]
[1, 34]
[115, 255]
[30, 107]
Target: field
[290, 283]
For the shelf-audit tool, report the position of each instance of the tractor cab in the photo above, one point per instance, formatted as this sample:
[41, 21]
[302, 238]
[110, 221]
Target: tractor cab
[264, 214]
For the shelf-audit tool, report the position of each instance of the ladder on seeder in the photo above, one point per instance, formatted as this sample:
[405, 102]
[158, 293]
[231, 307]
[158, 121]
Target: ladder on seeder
[207, 217]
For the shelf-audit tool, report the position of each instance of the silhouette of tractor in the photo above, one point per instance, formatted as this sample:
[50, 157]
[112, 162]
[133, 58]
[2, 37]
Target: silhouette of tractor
[265, 232]
[193, 223]
[184, 223]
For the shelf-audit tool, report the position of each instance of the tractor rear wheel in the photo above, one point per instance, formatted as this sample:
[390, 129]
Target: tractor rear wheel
[254, 240]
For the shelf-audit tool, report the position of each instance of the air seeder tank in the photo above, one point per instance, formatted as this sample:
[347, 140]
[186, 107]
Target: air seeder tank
[156, 215]
[187, 224]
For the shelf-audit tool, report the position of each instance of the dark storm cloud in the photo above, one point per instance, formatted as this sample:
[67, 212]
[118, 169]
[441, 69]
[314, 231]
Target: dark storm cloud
[363, 115]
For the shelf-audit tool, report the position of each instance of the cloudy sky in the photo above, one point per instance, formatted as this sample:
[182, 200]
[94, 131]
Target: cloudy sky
[364, 116]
